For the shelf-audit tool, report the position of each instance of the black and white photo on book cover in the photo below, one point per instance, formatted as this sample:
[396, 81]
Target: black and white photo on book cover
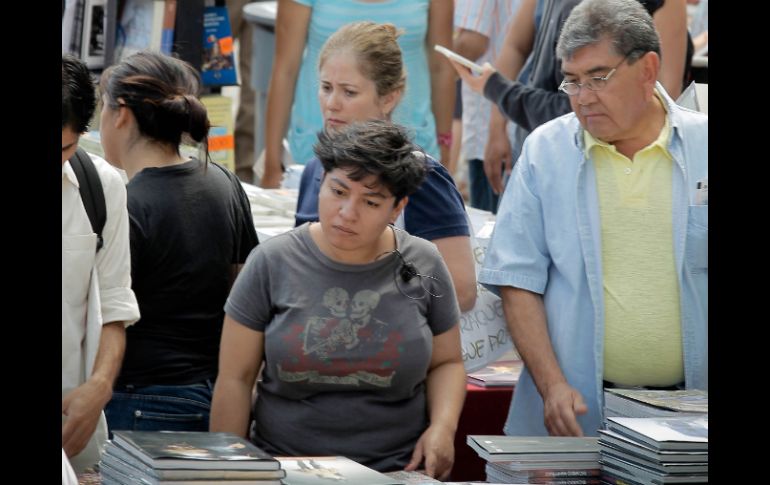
[92, 45]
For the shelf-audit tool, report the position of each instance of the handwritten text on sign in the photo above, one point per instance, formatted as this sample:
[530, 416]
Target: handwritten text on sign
[483, 331]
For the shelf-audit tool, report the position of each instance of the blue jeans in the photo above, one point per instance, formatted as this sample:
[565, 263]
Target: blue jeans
[482, 196]
[160, 408]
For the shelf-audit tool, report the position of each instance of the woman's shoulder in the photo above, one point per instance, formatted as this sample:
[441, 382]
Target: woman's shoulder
[409, 244]
[292, 240]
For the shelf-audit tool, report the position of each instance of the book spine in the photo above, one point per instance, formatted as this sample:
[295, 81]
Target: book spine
[167, 35]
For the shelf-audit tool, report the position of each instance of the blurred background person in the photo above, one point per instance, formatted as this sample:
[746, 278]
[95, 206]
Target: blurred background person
[302, 27]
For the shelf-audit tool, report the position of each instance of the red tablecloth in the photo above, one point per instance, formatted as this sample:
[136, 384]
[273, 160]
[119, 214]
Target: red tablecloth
[484, 412]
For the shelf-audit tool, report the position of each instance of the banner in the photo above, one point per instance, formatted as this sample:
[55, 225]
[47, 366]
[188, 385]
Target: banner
[483, 330]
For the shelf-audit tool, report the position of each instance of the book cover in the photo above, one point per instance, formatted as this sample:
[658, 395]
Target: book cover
[194, 450]
[610, 439]
[636, 474]
[641, 403]
[669, 433]
[618, 457]
[221, 133]
[135, 29]
[412, 478]
[522, 448]
[123, 462]
[167, 33]
[546, 473]
[539, 465]
[318, 470]
[218, 67]
[498, 374]
[92, 45]
[506, 476]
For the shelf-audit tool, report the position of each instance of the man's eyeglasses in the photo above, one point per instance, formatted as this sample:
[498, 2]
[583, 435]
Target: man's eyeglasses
[593, 83]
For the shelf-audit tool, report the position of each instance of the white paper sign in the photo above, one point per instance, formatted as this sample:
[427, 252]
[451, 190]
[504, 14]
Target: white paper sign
[483, 331]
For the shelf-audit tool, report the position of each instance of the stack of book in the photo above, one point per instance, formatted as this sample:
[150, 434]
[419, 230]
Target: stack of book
[497, 374]
[642, 403]
[546, 460]
[186, 457]
[663, 450]
[271, 209]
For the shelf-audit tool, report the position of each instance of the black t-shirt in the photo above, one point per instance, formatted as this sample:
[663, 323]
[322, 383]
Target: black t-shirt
[189, 224]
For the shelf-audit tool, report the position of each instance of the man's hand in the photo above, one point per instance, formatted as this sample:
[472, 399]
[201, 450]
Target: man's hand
[436, 446]
[476, 83]
[82, 406]
[497, 150]
[561, 404]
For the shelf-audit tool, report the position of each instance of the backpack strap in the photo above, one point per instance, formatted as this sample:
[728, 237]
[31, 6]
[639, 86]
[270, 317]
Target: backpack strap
[91, 193]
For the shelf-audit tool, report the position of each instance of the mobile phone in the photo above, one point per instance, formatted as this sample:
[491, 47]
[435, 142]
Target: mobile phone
[460, 59]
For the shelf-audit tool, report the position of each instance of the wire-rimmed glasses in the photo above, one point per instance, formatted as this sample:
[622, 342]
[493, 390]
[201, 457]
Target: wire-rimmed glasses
[594, 83]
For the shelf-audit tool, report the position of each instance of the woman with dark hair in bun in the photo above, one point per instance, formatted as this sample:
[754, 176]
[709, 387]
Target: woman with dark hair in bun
[190, 230]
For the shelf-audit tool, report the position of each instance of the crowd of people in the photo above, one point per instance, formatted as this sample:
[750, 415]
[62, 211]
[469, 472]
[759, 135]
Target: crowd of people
[175, 316]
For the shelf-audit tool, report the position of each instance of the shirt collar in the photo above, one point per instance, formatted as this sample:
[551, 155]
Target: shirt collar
[69, 173]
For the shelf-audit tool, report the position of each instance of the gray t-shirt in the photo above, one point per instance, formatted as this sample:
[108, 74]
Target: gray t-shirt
[346, 350]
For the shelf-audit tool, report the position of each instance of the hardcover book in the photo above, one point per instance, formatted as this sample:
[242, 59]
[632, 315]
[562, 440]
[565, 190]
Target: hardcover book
[539, 477]
[318, 470]
[611, 440]
[124, 462]
[412, 478]
[123, 475]
[640, 403]
[497, 374]
[194, 450]
[636, 474]
[672, 433]
[621, 459]
[218, 67]
[535, 448]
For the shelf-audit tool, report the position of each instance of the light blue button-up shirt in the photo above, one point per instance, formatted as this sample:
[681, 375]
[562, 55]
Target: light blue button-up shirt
[547, 240]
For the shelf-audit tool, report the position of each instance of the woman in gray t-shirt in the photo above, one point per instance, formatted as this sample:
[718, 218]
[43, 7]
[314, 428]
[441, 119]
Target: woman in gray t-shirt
[356, 322]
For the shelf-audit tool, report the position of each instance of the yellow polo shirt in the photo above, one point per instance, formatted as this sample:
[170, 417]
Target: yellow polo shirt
[642, 326]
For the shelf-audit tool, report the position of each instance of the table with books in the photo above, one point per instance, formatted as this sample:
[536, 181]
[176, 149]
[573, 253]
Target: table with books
[484, 412]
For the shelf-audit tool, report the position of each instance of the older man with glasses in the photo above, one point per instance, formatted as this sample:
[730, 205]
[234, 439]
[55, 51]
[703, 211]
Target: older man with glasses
[600, 251]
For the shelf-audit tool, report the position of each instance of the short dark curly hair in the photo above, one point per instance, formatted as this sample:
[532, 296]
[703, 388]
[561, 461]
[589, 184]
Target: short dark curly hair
[374, 147]
[78, 94]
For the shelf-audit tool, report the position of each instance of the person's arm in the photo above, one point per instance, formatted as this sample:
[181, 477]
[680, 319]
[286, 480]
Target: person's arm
[458, 256]
[671, 24]
[526, 318]
[442, 92]
[446, 393]
[517, 47]
[84, 404]
[291, 27]
[471, 44]
[240, 357]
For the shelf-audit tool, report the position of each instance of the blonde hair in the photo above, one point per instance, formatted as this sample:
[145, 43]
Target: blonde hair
[376, 50]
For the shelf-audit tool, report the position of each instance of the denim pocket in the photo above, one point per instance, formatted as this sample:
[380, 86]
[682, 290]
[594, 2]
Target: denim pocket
[145, 420]
[697, 243]
[161, 408]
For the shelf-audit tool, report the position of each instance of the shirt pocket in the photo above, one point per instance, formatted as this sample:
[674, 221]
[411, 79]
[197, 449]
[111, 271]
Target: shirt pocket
[77, 260]
[697, 245]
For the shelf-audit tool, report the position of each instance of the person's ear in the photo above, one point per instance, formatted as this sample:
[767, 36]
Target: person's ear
[390, 101]
[397, 209]
[650, 68]
[124, 115]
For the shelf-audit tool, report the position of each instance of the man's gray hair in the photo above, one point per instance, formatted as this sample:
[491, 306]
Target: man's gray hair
[625, 22]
